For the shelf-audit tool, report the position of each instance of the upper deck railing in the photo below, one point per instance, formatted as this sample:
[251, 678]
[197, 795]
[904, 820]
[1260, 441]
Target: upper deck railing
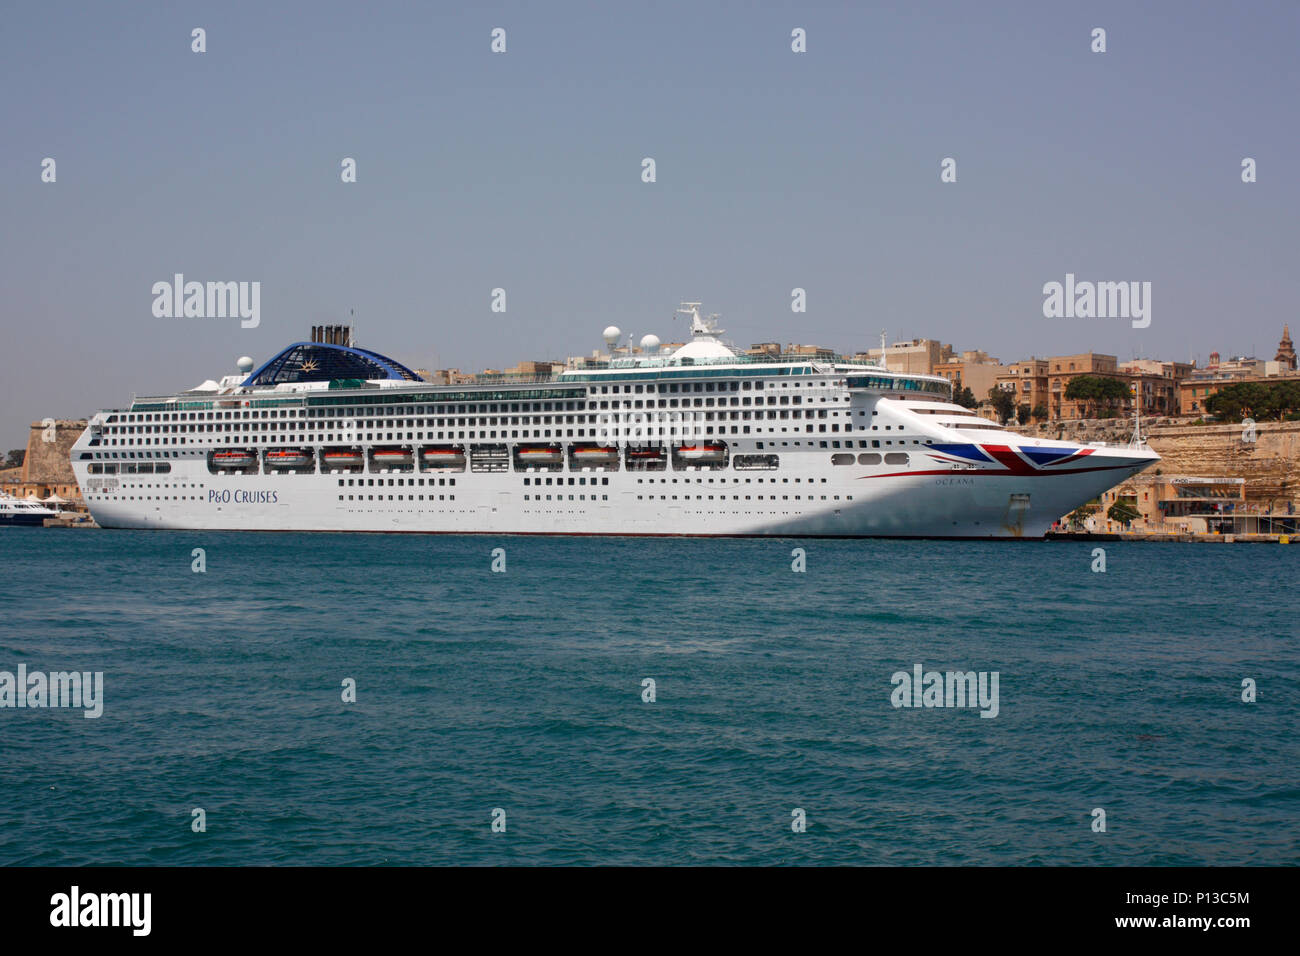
[859, 374]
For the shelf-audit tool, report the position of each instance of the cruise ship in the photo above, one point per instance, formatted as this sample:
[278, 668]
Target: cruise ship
[698, 440]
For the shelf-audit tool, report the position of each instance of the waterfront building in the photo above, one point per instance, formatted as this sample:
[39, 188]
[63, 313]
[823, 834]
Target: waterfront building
[1192, 504]
[973, 369]
[1158, 383]
[916, 356]
[1200, 384]
[1063, 369]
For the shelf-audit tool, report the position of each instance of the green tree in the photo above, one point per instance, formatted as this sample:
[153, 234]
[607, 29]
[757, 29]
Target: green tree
[1022, 414]
[965, 398]
[1003, 402]
[1122, 512]
[1076, 517]
[16, 458]
[1082, 389]
[1039, 412]
[1288, 397]
[1096, 391]
[1261, 401]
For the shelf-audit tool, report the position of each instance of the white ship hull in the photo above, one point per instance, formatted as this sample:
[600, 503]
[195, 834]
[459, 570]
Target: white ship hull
[853, 501]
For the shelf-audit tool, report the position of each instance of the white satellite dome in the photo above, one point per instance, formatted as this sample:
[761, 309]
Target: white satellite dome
[649, 343]
[703, 349]
[244, 364]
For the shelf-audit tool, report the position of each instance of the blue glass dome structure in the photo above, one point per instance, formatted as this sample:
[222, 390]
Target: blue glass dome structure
[319, 362]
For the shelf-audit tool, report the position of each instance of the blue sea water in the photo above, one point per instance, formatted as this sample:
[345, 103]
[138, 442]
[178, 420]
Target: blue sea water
[523, 690]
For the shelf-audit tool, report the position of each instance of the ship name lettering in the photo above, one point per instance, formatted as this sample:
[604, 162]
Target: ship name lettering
[242, 497]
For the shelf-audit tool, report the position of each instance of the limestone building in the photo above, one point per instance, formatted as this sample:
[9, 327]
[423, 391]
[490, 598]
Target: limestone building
[47, 467]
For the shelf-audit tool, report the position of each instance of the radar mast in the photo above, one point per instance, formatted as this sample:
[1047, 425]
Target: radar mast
[701, 326]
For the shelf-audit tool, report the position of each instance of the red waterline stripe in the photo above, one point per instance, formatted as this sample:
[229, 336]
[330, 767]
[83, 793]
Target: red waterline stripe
[997, 474]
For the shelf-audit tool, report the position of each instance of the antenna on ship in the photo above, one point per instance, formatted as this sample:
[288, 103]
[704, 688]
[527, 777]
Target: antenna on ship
[700, 325]
[883, 363]
[1136, 440]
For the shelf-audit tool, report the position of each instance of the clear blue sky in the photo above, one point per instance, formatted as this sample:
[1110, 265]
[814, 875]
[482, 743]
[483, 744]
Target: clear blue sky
[775, 170]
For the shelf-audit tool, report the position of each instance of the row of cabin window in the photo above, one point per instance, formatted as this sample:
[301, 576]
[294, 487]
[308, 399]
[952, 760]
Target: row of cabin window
[163, 467]
[398, 498]
[473, 420]
[282, 413]
[269, 415]
[369, 482]
[450, 436]
[561, 498]
[738, 497]
[687, 481]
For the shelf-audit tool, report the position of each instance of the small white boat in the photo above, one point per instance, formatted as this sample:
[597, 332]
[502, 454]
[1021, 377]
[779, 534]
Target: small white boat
[16, 511]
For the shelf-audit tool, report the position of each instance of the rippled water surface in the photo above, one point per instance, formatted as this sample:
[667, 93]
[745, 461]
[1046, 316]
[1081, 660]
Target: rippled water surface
[523, 691]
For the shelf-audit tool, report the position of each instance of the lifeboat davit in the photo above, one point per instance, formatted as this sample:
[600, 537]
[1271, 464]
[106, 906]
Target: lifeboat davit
[234, 458]
[442, 456]
[287, 458]
[596, 454]
[389, 457]
[540, 455]
[348, 458]
[703, 452]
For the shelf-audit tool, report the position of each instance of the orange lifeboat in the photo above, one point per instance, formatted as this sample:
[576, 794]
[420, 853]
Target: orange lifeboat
[595, 454]
[539, 455]
[443, 456]
[710, 451]
[392, 457]
[288, 458]
[343, 458]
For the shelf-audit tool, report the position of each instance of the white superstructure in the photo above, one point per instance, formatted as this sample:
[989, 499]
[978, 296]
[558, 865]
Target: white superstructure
[700, 441]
